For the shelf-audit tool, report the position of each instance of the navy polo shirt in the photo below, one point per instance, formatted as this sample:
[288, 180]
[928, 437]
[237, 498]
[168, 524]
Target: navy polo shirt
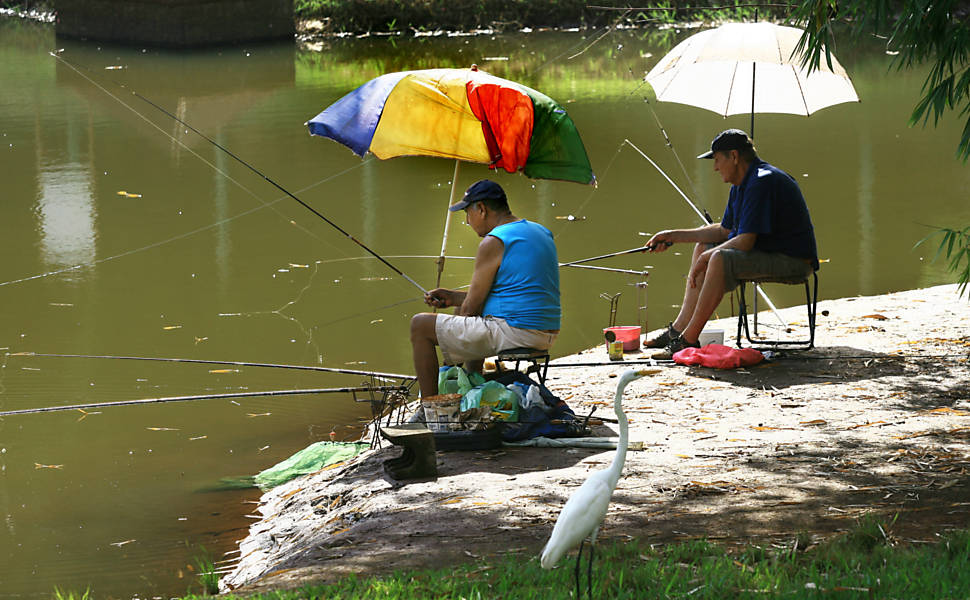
[770, 204]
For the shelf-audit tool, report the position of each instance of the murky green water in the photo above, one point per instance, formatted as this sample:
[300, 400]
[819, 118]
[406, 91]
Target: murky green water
[200, 258]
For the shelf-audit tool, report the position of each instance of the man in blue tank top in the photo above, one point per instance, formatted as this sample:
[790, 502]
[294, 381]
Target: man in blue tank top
[765, 231]
[513, 298]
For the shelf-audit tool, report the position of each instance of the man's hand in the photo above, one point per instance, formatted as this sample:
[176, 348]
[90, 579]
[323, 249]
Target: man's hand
[441, 298]
[660, 241]
[699, 268]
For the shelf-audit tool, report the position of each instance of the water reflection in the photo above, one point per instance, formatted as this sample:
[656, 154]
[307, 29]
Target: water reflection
[67, 215]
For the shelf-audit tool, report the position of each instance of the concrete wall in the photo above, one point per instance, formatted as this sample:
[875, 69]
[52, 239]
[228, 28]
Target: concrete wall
[175, 23]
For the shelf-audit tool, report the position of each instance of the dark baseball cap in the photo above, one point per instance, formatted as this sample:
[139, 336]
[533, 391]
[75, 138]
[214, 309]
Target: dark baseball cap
[480, 190]
[729, 139]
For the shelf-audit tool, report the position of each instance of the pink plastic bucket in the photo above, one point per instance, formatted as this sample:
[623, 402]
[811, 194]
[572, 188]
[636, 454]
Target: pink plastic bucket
[628, 334]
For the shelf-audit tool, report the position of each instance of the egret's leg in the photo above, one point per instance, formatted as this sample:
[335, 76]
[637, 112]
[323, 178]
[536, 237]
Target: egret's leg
[578, 557]
[589, 573]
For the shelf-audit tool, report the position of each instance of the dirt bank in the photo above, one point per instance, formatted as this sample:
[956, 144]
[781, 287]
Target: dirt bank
[875, 418]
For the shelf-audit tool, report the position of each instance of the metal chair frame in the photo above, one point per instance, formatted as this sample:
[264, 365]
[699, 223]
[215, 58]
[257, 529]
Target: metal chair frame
[811, 302]
[531, 355]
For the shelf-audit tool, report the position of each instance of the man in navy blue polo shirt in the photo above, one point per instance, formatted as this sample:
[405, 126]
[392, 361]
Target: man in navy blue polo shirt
[765, 230]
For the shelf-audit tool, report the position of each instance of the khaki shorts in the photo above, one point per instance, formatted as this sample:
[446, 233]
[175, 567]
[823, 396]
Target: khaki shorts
[754, 264]
[463, 339]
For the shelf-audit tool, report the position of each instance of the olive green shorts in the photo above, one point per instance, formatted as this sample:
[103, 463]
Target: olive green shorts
[754, 264]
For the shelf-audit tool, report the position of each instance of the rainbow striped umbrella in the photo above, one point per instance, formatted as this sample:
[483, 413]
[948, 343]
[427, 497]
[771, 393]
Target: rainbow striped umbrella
[465, 114]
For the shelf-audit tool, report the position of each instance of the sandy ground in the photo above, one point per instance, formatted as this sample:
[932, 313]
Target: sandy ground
[876, 418]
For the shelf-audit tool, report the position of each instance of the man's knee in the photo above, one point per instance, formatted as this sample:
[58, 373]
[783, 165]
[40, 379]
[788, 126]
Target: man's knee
[422, 327]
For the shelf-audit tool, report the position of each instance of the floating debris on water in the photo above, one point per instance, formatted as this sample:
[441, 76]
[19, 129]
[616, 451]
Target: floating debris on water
[120, 544]
[282, 270]
[128, 194]
[85, 414]
[375, 278]
[198, 437]
[170, 327]
[60, 304]
[114, 67]
[296, 266]
[199, 340]
[252, 415]
[38, 465]
[223, 370]
[377, 321]
[570, 218]
[356, 362]
[162, 429]
[266, 447]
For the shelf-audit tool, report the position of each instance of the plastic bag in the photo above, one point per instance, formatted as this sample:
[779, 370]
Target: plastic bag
[503, 401]
[454, 380]
[533, 398]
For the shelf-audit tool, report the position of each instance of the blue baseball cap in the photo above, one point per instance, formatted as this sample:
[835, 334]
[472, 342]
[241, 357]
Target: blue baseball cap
[478, 191]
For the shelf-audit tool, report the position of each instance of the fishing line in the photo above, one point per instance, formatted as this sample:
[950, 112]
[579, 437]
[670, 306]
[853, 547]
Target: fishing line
[239, 160]
[608, 31]
[190, 233]
[589, 197]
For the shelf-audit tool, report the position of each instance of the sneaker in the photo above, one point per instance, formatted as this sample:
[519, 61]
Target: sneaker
[676, 345]
[662, 339]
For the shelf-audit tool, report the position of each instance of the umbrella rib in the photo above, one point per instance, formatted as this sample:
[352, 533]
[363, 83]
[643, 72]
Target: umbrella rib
[727, 101]
[801, 90]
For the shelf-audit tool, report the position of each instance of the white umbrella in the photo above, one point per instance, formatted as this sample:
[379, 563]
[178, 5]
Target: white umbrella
[748, 67]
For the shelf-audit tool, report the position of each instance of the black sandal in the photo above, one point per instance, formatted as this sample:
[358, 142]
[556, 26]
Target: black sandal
[663, 338]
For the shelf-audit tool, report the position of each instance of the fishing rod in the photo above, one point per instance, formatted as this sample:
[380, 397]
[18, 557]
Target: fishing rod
[704, 217]
[220, 362]
[346, 390]
[134, 93]
[707, 220]
[610, 269]
[620, 253]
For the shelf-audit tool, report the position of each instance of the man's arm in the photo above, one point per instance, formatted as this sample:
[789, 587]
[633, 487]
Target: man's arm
[708, 234]
[470, 303]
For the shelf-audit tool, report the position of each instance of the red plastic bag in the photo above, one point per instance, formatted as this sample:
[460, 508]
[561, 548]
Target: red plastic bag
[718, 357]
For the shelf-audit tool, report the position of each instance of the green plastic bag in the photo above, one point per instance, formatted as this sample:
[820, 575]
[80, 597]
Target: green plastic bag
[504, 402]
[454, 380]
[309, 460]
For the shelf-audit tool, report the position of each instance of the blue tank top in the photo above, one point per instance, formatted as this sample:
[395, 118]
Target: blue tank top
[526, 288]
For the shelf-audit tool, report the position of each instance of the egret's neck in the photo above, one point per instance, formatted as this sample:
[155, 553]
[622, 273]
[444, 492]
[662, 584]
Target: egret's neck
[616, 467]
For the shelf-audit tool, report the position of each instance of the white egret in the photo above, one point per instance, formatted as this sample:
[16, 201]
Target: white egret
[584, 511]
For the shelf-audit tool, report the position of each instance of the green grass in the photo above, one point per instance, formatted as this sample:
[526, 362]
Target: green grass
[60, 594]
[866, 562]
[208, 578]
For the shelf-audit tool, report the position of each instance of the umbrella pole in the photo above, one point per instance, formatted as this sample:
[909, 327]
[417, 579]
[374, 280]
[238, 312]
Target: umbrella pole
[753, 67]
[444, 236]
